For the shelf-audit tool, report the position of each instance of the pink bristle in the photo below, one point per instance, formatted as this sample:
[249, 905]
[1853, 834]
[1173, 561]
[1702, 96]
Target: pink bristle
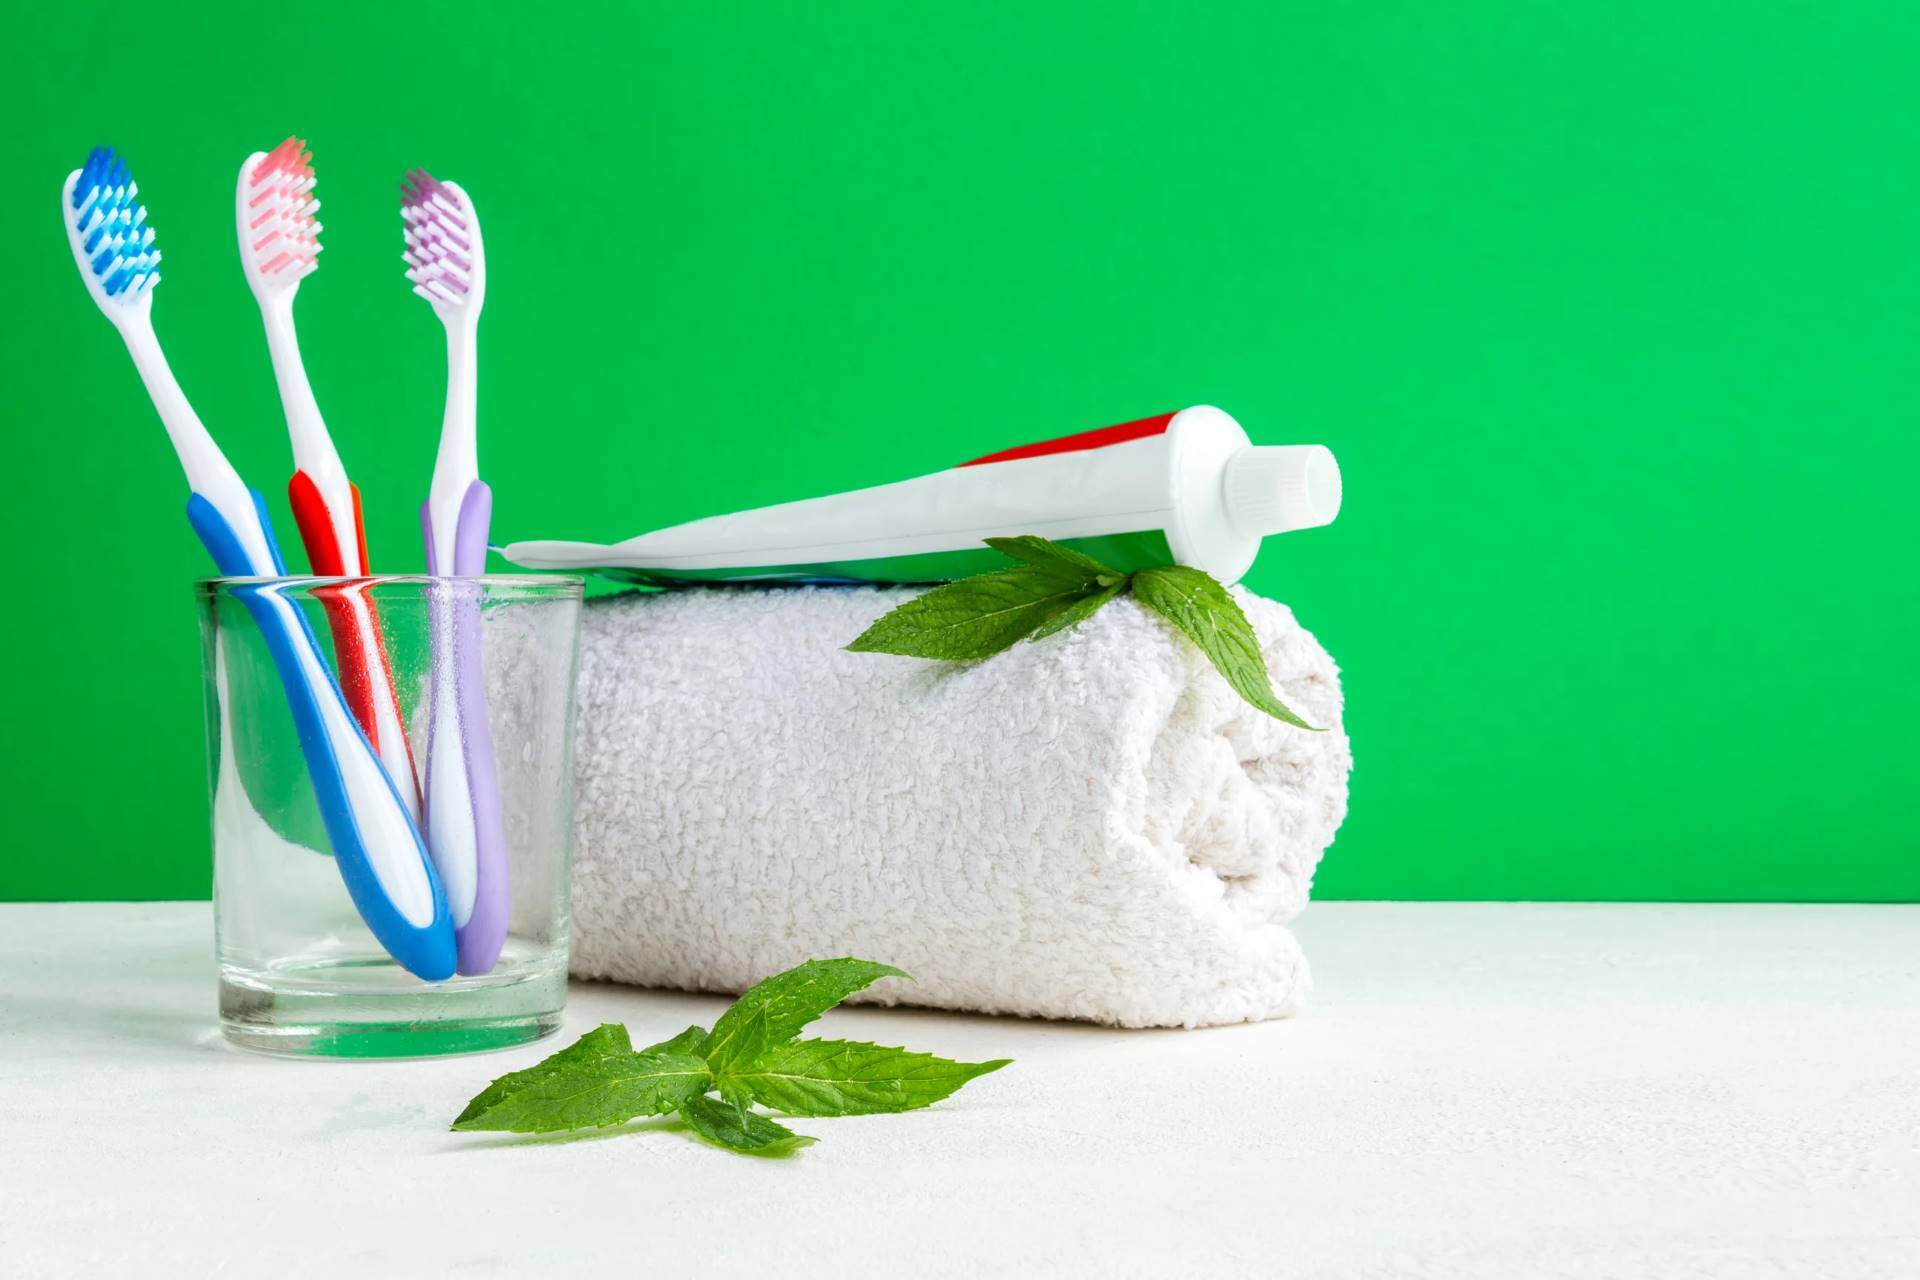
[285, 218]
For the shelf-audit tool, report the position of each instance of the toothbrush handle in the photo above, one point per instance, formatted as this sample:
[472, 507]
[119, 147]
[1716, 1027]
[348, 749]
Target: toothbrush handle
[366, 674]
[375, 843]
[464, 826]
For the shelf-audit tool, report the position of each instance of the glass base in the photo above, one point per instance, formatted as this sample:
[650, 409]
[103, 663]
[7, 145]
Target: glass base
[368, 1007]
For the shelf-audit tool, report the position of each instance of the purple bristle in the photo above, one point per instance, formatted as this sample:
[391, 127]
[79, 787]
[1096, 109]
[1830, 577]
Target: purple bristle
[439, 252]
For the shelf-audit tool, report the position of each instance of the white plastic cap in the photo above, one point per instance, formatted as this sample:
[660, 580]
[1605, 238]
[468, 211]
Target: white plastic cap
[1280, 488]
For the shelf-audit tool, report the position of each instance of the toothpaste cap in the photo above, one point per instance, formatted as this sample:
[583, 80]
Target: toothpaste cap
[1279, 488]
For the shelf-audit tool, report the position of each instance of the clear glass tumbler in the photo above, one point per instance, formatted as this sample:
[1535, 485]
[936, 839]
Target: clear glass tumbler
[300, 971]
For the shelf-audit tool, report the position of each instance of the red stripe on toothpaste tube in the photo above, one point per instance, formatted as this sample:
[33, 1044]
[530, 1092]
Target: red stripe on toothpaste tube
[1180, 488]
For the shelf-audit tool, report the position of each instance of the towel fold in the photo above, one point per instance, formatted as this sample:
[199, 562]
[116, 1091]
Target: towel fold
[1092, 826]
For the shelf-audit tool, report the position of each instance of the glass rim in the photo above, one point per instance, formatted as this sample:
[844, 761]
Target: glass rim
[550, 585]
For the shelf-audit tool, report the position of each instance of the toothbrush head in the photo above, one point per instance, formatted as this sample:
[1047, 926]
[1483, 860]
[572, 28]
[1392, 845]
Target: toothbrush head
[274, 207]
[445, 262]
[106, 226]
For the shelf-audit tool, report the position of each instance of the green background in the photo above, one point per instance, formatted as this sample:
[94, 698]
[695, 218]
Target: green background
[1606, 308]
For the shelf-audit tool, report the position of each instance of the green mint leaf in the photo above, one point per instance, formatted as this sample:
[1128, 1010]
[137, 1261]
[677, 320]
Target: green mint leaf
[1079, 611]
[740, 1131]
[689, 1041]
[1036, 550]
[770, 1013]
[603, 1041]
[975, 617]
[593, 1092]
[850, 1078]
[1201, 608]
[735, 1093]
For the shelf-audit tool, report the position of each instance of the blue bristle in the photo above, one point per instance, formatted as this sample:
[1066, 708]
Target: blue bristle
[117, 240]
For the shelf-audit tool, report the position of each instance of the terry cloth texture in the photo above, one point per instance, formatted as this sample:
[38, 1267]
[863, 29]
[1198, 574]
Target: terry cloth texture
[1090, 826]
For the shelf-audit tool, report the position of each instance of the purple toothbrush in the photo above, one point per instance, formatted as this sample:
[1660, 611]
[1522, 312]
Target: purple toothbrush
[447, 267]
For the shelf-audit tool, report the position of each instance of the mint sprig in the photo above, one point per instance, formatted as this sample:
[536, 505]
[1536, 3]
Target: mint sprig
[752, 1056]
[771, 1013]
[1045, 553]
[1055, 588]
[603, 1041]
[976, 616]
[853, 1078]
[1196, 603]
[597, 1091]
[743, 1131]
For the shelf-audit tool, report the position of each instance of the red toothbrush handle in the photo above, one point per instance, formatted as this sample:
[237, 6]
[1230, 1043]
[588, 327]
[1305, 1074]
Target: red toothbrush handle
[316, 527]
[344, 619]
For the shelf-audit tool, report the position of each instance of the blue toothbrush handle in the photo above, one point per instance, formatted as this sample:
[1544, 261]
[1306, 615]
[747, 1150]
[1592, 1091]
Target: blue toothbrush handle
[375, 842]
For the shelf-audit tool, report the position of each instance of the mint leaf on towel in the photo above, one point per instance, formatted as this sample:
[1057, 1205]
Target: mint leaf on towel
[1103, 581]
[749, 1057]
[1056, 588]
[593, 1092]
[1036, 550]
[976, 617]
[1078, 612]
[851, 1078]
[1201, 608]
[742, 1131]
[770, 1013]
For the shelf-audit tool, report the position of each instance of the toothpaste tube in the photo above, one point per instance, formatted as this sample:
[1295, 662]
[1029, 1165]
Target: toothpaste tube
[1181, 488]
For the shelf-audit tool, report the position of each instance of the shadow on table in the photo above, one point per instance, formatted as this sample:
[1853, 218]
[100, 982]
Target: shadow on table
[655, 1124]
[165, 998]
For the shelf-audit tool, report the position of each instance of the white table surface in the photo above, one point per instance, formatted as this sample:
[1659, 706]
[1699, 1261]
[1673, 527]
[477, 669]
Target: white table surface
[1505, 1090]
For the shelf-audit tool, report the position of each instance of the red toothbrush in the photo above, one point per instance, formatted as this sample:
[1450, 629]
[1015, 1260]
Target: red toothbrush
[279, 240]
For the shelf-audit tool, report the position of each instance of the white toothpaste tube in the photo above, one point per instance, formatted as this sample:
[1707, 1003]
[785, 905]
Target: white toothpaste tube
[1180, 488]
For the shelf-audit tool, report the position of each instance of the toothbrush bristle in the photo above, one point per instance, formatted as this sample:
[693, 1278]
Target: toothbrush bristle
[282, 233]
[439, 252]
[112, 227]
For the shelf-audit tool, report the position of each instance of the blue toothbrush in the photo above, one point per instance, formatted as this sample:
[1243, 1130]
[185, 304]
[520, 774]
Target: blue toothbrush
[375, 842]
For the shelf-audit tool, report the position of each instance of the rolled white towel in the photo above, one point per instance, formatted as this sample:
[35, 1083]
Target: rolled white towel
[1091, 826]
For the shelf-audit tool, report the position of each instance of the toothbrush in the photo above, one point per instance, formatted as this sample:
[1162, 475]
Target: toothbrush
[279, 245]
[447, 267]
[376, 845]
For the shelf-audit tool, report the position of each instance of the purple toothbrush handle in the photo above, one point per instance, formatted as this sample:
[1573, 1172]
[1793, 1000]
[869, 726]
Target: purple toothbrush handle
[485, 932]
